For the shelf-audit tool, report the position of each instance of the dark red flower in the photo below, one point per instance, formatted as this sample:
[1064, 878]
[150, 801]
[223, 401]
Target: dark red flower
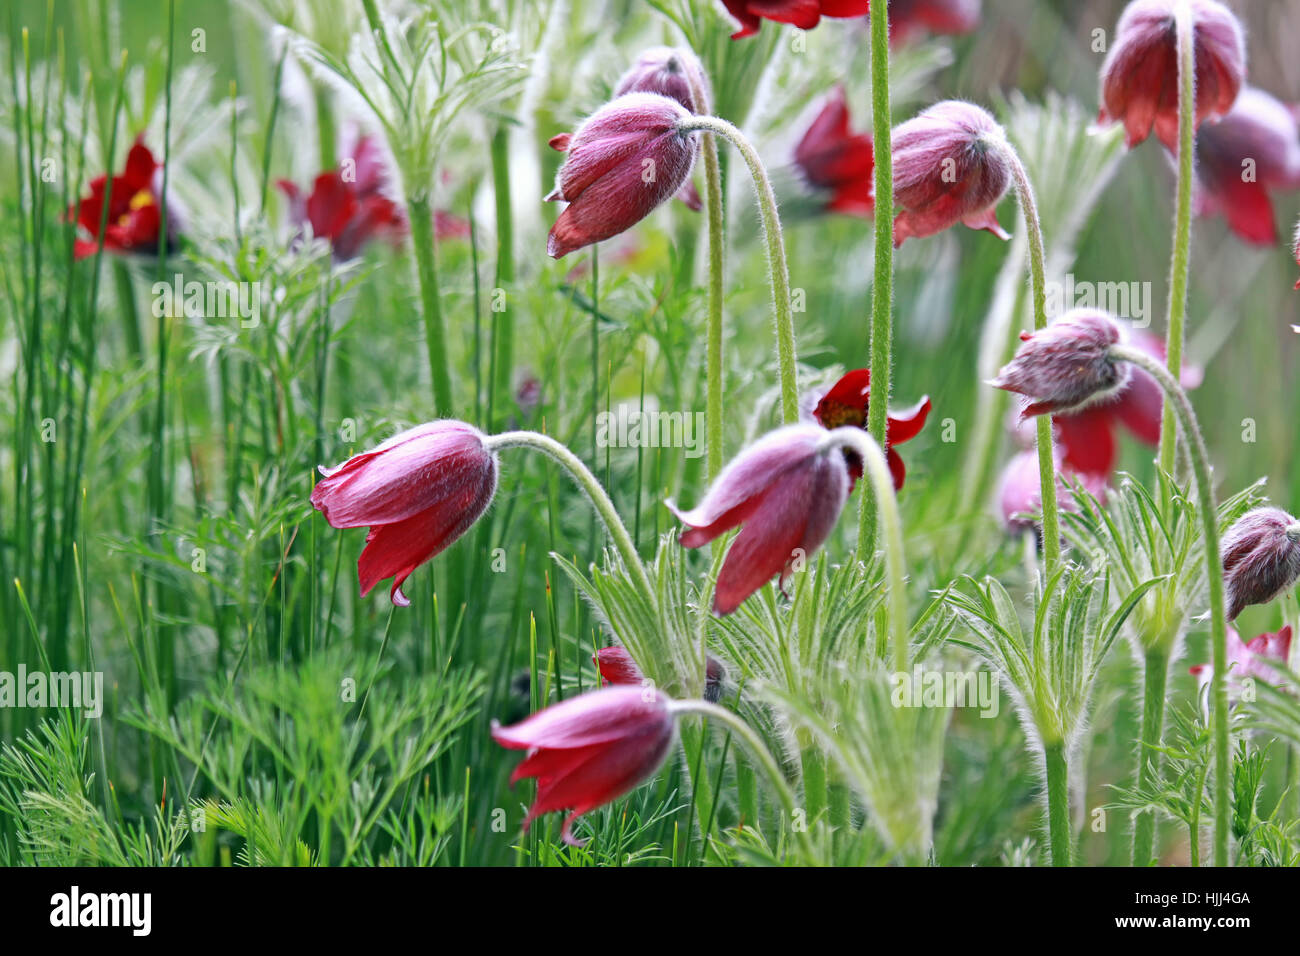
[949, 168]
[911, 18]
[1067, 366]
[1261, 557]
[833, 158]
[617, 667]
[590, 749]
[626, 159]
[804, 14]
[1139, 79]
[1255, 148]
[134, 216]
[846, 402]
[417, 492]
[787, 490]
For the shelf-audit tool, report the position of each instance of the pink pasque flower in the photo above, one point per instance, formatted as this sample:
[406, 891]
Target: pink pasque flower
[417, 492]
[1020, 489]
[1249, 660]
[1066, 366]
[1261, 557]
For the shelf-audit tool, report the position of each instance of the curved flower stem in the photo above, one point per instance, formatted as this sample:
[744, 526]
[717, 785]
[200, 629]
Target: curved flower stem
[1181, 257]
[882, 287]
[873, 459]
[426, 265]
[1038, 282]
[756, 746]
[778, 269]
[1177, 399]
[1058, 803]
[1156, 669]
[585, 480]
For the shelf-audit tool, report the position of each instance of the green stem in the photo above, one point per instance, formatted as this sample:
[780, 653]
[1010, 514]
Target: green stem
[1153, 726]
[813, 763]
[1176, 399]
[1181, 257]
[504, 344]
[717, 241]
[426, 263]
[1058, 803]
[778, 269]
[882, 288]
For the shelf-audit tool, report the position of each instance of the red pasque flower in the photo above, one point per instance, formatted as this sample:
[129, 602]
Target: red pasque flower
[833, 158]
[134, 217]
[626, 159]
[1250, 659]
[417, 492]
[787, 490]
[1255, 148]
[347, 206]
[1261, 557]
[910, 18]
[949, 168]
[1066, 366]
[804, 14]
[1139, 79]
[846, 402]
[590, 749]
[617, 667]
[1087, 438]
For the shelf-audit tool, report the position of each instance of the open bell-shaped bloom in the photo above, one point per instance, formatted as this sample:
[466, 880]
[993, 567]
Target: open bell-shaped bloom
[1261, 557]
[846, 403]
[617, 667]
[1139, 78]
[417, 492]
[787, 490]
[949, 167]
[626, 159]
[134, 214]
[912, 18]
[591, 749]
[1249, 659]
[1066, 366]
[834, 159]
[804, 14]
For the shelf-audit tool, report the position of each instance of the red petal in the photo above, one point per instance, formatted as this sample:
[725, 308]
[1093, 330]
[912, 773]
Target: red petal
[907, 424]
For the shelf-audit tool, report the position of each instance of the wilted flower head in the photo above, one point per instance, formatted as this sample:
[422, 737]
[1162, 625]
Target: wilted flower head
[627, 158]
[134, 215]
[674, 72]
[1255, 148]
[787, 490]
[949, 167]
[590, 749]
[832, 157]
[1139, 79]
[1261, 557]
[1249, 659]
[910, 18]
[1066, 366]
[846, 403]
[417, 492]
[804, 14]
[617, 667]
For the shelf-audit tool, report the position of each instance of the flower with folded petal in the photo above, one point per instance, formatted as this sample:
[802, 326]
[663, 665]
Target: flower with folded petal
[845, 403]
[617, 667]
[1255, 148]
[626, 159]
[787, 490]
[589, 750]
[1249, 660]
[804, 14]
[417, 492]
[832, 158]
[134, 218]
[949, 167]
[1066, 366]
[1261, 557]
[912, 18]
[1139, 79]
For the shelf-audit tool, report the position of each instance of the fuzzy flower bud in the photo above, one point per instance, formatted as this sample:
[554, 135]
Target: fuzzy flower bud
[1261, 557]
[1066, 366]
[669, 71]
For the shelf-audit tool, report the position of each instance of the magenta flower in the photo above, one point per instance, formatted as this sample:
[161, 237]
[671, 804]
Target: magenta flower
[834, 159]
[617, 667]
[417, 492]
[948, 168]
[787, 490]
[1139, 79]
[1254, 149]
[590, 749]
[625, 160]
[1249, 659]
[1261, 557]
[1066, 366]
[1020, 489]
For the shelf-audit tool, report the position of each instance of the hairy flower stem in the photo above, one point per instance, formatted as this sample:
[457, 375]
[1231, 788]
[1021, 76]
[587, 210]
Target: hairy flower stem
[882, 286]
[426, 266]
[1177, 399]
[1181, 257]
[1156, 670]
[778, 269]
[585, 480]
[755, 745]
[504, 339]
[1058, 803]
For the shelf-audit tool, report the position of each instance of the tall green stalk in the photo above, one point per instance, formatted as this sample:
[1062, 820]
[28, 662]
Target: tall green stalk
[426, 269]
[503, 321]
[717, 247]
[1155, 682]
[1058, 803]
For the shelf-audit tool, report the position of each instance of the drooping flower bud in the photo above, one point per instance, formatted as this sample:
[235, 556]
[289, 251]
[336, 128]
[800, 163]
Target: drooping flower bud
[673, 72]
[626, 159]
[417, 492]
[1139, 79]
[1066, 366]
[949, 167]
[1261, 557]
